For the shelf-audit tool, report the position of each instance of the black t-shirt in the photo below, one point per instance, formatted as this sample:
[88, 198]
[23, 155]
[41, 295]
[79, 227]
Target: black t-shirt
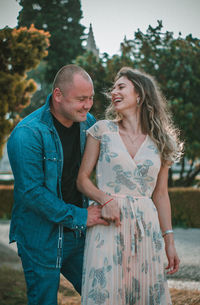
[70, 139]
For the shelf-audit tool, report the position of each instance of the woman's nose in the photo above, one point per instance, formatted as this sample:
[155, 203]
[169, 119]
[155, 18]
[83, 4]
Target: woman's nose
[113, 91]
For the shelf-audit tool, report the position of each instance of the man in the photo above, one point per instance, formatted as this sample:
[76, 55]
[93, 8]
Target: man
[50, 216]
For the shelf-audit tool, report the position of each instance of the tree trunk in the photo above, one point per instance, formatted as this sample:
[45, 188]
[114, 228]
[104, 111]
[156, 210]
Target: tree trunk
[182, 169]
[189, 179]
[170, 180]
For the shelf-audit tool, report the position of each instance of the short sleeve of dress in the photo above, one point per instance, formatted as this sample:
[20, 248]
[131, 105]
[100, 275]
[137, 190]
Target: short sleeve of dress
[98, 129]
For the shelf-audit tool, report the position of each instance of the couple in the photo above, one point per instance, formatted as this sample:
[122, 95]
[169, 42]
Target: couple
[123, 249]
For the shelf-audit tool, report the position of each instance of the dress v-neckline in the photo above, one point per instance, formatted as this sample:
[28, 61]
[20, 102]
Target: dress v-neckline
[124, 145]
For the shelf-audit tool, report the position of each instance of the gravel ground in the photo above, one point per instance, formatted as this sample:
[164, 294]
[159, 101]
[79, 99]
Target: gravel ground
[187, 244]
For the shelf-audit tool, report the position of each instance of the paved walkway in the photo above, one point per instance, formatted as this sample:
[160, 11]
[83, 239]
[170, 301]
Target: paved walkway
[187, 244]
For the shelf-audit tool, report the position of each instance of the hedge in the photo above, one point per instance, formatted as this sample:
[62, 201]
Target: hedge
[185, 203]
[6, 201]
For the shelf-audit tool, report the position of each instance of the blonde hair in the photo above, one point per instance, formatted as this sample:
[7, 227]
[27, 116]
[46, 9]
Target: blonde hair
[155, 118]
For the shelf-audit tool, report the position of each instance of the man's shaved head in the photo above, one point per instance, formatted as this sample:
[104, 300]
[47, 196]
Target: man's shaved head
[64, 77]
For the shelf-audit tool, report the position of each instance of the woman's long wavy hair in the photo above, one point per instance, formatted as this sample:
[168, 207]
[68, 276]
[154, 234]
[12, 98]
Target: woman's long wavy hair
[155, 118]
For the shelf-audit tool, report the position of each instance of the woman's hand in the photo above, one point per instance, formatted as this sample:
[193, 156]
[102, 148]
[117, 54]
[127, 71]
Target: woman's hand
[111, 212]
[173, 259]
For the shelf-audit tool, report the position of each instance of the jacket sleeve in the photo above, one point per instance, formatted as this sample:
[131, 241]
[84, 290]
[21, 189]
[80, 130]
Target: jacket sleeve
[90, 120]
[25, 151]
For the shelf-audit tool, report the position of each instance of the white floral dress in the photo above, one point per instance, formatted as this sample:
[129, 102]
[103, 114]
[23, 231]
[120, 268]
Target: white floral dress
[124, 265]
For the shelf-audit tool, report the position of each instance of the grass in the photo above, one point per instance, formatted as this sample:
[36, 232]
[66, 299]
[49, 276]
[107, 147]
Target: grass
[13, 291]
[12, 287]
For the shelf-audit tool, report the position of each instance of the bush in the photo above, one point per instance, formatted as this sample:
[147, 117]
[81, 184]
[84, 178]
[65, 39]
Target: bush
[12, 287]
[185, 203]
[6, 201]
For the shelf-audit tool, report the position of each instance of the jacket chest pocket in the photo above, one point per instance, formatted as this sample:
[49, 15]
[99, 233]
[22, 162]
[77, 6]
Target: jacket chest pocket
[52, 170]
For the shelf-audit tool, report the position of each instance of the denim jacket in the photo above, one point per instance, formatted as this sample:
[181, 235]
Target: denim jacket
[39, 213]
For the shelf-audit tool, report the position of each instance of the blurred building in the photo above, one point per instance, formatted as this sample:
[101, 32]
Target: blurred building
[91, 45]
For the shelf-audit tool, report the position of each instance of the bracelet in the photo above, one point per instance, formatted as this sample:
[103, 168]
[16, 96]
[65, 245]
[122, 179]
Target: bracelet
[167, 232]
[107, 202]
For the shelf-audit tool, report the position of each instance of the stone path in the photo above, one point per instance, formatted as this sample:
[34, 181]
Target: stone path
[187, 244]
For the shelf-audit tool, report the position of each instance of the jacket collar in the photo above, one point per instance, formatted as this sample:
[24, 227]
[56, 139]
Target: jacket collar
[46, 116]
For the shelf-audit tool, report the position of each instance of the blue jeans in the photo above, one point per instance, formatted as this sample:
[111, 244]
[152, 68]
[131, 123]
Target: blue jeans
[43, 283]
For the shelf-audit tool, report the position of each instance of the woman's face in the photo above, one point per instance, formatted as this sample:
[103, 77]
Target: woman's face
[124, 96]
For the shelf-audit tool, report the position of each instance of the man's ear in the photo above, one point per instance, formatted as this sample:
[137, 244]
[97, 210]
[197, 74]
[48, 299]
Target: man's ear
[57, 95]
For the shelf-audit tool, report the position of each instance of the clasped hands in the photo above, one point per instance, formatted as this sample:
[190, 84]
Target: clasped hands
[111, 212]
[104, 214]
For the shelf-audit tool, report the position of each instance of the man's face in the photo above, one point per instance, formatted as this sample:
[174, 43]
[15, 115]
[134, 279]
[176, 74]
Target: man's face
[76, 100]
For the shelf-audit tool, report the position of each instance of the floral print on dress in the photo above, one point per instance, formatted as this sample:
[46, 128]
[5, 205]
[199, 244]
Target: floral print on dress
[112, 126]
[156, 291]
[99, 293]
[124, 265]
[145, 267]
[154, 148]
[105, 150]
[117, 257]
[142, 177]
[122, 178]
[157, 240]
[99, 241]
[133, 294]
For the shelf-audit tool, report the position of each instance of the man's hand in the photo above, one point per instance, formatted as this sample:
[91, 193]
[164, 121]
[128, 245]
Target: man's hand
[111, 212]
[94, 216]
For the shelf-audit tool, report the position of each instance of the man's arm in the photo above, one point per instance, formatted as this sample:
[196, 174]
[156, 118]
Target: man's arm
[25, 151]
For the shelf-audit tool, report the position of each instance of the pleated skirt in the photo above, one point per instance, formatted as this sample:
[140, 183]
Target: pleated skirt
[124, 265]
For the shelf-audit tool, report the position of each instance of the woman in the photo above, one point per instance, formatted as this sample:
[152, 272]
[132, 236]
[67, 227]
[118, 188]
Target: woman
[123, 262]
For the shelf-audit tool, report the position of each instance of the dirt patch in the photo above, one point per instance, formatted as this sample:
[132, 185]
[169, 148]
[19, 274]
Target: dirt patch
[13, 291]
[68, 296]
[185, 297]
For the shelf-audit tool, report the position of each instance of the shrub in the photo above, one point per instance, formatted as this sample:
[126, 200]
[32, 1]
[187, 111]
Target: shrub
[6, 201]
[185, 203]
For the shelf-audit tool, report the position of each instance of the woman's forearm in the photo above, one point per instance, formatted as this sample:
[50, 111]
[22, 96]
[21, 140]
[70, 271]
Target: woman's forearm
[163, 206]
[87, 187]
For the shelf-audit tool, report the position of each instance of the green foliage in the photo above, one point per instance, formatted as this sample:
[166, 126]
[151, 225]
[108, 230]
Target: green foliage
[97, 71]
[102, 71]
[185, 203]
[39, 97]
[175, 64]
[20, 50]
[13, 287]
[62, 20]
[6, 194]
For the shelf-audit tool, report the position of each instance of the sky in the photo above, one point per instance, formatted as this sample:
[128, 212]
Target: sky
[113, 19]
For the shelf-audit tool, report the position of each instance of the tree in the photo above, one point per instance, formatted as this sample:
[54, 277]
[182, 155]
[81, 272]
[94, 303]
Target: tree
[102, 71]
[43, 89]
[61, 19]
[175, 63]
[97, 71]
[20, 50]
